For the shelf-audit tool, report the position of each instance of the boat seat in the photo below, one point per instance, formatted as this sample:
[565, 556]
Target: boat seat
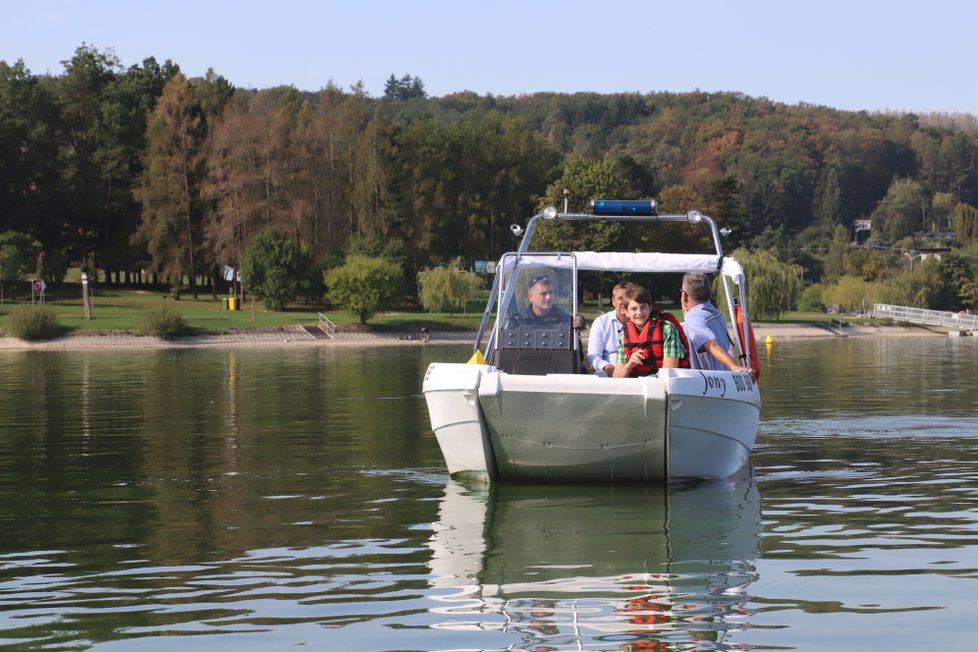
[538, 351]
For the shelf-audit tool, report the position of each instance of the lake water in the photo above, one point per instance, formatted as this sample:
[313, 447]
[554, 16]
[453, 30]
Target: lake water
[280, 499]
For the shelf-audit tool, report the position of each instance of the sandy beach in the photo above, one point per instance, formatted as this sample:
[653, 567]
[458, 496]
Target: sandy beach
[311, 336]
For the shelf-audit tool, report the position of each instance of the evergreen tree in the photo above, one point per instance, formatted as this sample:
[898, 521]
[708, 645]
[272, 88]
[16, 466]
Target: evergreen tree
[30, 174]
[901, 212]
[405, 88]
[276, 267]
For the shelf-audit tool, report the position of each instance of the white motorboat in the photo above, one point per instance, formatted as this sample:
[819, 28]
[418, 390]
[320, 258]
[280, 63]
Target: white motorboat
[528, 409]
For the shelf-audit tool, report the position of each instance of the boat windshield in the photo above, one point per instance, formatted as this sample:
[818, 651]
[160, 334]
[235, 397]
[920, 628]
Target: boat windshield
[535, 294]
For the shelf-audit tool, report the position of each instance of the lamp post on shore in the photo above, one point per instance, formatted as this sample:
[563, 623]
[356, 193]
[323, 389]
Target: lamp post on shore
[907, 254]
[86, 296]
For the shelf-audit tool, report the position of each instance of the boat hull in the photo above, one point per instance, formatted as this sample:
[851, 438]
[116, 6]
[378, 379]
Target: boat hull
[582, 428]
[451, 391]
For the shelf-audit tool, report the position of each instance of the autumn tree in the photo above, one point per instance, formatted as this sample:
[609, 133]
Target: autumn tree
[124, 105]
[235, 183]
[169, 187]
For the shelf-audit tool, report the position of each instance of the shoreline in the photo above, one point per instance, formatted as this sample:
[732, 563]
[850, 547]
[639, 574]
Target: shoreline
[300, 336]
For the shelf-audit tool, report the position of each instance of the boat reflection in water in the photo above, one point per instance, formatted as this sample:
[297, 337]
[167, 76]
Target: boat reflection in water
[629, 568]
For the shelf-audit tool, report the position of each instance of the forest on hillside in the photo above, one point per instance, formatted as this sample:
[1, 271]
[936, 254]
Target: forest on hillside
[145, 176]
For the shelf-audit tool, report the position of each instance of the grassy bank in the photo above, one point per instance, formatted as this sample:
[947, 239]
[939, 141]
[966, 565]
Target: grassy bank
[123, 310]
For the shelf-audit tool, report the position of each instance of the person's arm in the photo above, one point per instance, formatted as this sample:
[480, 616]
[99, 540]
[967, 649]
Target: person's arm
[672, 346]
[596, 340]
[595, 344]
[718, 351]
[625, 369]
[622, 367]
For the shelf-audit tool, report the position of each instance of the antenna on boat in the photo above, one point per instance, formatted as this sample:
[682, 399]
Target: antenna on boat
[566, 195]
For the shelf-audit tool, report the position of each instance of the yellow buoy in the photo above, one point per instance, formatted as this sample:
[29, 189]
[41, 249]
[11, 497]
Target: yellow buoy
[769, 340]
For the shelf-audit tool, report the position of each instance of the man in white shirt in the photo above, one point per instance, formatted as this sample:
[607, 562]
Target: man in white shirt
[602, 341]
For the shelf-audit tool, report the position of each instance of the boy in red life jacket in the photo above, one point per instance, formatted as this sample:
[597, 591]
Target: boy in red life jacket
[651, 340]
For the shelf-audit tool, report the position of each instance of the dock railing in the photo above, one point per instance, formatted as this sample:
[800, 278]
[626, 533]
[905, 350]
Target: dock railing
[326, 325]
[838, 324]
[954, 321]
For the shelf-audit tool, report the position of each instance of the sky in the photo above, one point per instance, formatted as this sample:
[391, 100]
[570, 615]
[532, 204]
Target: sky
[872, 55]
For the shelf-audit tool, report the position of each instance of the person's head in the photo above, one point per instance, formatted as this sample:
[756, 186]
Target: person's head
[638, 305]
[695, 289]
[618, 299]
[540, 292]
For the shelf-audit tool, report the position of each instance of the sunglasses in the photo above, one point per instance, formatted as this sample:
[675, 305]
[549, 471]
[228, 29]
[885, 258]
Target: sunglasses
[543, 278]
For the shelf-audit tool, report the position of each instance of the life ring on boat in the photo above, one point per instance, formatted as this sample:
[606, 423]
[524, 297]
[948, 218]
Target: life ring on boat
[748, 335]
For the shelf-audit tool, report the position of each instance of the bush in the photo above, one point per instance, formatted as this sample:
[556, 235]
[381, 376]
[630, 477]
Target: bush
[364, 285]
[276, 267]
[165, 322]
[811, 298]
[35, 322]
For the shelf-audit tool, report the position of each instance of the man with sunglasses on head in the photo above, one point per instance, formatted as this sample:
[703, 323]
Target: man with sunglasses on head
[541, 310]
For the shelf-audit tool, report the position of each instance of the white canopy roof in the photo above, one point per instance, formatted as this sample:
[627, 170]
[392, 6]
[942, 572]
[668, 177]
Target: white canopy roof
[616, 261]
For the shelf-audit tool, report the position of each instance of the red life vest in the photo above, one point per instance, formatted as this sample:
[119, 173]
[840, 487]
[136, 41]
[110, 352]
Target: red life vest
[633, 341]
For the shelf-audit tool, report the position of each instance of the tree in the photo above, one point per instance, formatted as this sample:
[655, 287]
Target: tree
[18, 258]
[901, 212]
[90, 156]
[811, 299]
[965, 220]
[169, 189]
[213, 92]
[680, 237]
[834, 263]
[851, 293]
[363, 285]
[29, 163]
[955, 285]
[447, 287]
[583, 180]
[828, 198]
[120, 148]
[405, 88]
[276, 268]
[773, 286]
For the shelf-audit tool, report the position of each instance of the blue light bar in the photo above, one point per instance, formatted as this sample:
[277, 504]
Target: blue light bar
[624, 207]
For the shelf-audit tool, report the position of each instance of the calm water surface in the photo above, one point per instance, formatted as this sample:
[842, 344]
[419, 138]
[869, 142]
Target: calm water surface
[281, 498]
